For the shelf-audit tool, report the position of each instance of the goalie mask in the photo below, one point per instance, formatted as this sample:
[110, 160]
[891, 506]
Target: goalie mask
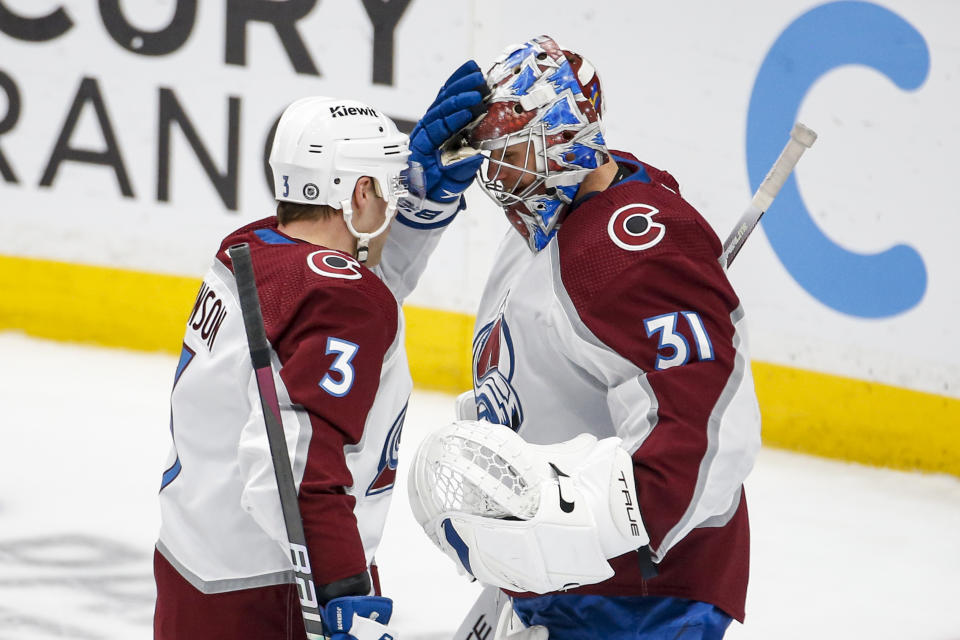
[525, 517]
[324, 145]
[542, 134]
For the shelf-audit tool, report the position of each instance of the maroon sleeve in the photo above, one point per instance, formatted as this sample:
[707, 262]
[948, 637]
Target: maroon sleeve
[639, 301]
[668, 462]
[332, 351]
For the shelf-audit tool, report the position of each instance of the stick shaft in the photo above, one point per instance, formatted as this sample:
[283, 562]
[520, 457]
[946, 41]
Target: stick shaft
[801, 139]
[481, 620]
[260, 357]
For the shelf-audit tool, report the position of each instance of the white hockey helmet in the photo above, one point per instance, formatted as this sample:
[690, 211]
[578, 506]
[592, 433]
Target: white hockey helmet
[324, 145]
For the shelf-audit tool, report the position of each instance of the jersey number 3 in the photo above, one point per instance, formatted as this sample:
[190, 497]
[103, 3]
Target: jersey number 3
[670, 339]
[340, 384]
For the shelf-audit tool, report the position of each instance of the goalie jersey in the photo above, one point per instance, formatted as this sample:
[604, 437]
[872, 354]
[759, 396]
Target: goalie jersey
[626, 325]
[342, 379]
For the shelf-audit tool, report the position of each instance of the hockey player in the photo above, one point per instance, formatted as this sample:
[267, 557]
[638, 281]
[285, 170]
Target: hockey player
[609, 339]
[330, 283]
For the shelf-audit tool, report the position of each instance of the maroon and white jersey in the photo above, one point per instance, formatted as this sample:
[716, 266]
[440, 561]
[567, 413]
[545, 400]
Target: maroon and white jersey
[626, 325]
[340, 369]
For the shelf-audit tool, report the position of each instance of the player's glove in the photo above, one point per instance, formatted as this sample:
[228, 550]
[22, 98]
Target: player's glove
[460, 101]
[358, 618]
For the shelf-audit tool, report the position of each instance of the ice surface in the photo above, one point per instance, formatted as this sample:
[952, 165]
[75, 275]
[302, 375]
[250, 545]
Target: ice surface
[839, 550]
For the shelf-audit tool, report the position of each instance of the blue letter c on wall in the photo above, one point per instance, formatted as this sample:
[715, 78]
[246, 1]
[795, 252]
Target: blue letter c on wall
[826, 37]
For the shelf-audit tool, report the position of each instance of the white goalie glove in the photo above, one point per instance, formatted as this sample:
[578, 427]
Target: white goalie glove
[526, 517]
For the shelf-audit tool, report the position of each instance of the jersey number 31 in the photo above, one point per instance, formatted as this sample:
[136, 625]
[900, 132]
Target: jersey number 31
[666, 326]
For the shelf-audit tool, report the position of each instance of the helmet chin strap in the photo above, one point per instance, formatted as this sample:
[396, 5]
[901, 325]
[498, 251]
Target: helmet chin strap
[363, 239]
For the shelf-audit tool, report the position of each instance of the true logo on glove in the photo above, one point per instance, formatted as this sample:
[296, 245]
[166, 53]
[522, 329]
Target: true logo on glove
[634, 527]
[566, 507]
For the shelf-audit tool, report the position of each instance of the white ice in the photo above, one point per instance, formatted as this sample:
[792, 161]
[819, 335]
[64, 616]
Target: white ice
[839, 550]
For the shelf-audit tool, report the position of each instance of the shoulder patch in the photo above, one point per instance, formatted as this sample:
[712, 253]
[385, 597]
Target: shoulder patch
[633, 228]
[334, 264]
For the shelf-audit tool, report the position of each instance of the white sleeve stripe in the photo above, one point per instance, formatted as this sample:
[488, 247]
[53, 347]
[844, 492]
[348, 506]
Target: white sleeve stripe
[722, 519]
[302, 427]
[227, 584]
[732, 443]
[634, 426]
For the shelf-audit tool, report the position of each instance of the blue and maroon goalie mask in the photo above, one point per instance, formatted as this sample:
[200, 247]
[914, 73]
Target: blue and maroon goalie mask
[541, 135]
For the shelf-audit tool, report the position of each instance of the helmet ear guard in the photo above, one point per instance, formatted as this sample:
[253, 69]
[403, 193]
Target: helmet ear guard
[526, 517]
[406, 193]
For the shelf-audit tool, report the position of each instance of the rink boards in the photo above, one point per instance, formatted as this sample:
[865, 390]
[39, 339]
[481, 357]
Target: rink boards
[811, 412]
[135, 139]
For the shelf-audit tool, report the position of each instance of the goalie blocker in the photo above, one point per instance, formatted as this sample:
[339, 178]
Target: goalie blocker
[524, 517]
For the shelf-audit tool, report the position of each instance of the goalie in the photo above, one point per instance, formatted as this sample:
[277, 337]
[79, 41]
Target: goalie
[602, 485]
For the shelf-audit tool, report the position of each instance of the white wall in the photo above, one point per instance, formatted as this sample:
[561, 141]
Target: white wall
[678, 83]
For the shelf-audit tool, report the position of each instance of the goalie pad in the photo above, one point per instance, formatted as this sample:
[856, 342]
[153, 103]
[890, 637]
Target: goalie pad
[526, 517]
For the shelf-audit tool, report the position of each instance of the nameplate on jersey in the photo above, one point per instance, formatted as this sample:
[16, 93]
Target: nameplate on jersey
[633, 228]
[207, 316]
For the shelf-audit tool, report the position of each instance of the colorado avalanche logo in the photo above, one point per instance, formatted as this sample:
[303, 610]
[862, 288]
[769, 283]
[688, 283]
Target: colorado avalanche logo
[497, 400]
[387, 468]
[632, 227]
[334, 264]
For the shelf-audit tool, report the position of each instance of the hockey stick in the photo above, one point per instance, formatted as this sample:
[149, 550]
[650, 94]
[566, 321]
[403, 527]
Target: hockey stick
[481, 620]
[801, 139]
[260, 357]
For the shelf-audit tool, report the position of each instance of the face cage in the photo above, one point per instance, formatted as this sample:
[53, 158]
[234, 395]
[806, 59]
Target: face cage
[406, 193]
[407, 189]
[504, 196]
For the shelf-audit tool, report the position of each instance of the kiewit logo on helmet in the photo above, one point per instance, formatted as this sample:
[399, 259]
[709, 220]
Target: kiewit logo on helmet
[341, 110]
